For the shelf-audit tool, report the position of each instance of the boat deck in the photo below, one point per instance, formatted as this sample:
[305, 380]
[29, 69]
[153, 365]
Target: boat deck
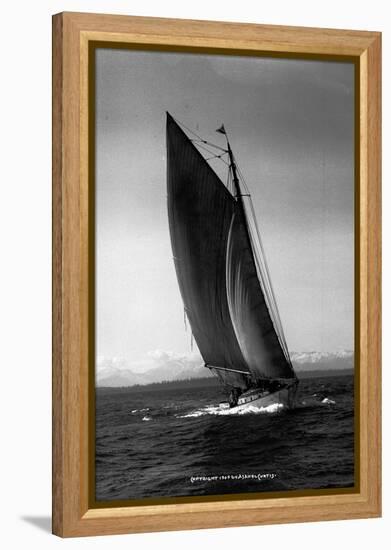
[251, 395]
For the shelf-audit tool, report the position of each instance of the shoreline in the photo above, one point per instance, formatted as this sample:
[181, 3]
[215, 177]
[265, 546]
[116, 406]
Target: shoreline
[209, 381]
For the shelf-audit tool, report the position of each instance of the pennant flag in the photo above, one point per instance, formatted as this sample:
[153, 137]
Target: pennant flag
[221, 130]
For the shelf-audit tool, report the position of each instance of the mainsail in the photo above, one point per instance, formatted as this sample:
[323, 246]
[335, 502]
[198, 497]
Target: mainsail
[223, 298]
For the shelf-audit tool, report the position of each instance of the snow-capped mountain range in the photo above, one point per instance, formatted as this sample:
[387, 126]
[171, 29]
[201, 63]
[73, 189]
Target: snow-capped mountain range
[320, 356]
[168, 366]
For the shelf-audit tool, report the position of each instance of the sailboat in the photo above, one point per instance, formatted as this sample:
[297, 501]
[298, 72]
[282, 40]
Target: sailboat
[223, 276]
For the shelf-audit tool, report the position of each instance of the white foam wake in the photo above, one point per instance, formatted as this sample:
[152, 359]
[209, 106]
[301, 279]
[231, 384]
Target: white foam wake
[244, 409]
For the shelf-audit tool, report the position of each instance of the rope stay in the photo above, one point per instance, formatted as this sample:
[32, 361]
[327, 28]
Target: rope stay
[263, 270]
[201, 144]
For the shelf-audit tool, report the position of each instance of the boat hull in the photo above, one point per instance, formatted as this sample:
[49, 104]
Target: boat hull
[285, 396]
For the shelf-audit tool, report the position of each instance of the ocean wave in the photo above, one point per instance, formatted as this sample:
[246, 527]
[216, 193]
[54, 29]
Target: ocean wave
[314, 401]
[139, 410]
[244, 409]
[328, 401]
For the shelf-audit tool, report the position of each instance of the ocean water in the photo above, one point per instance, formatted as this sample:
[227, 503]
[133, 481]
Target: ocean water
[176, 442]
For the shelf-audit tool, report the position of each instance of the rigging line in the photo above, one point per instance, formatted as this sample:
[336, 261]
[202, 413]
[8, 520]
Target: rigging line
[273, 300]
[261, 260]
[266, 287]
[222, 160]
[265, 274]
[209, 143]
[243, 179]
[262, 273]
[263, 255]
[206, 149]
[188, 129]
[272, 304]
[213, 155]
[228, 185]
[278, 318]
[244, 183]
[195, 134]
[273, 312]
[231, 183]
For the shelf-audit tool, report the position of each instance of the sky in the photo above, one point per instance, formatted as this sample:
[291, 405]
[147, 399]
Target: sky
[291, 126]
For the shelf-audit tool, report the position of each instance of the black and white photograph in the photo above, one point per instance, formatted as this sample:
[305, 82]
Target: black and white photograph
[224, 275]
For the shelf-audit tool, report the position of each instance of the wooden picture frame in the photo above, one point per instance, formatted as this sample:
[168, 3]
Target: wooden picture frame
[73, 218]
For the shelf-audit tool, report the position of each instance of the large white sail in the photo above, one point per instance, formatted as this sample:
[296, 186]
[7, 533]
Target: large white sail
[200, 210]
[215, 266]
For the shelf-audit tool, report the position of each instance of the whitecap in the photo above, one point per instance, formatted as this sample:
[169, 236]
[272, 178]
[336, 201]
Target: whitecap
[243, 409]
[328, 401]
[146, 418]
[194, 414]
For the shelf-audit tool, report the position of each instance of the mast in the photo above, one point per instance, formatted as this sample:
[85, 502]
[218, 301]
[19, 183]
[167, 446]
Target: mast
[238, 196]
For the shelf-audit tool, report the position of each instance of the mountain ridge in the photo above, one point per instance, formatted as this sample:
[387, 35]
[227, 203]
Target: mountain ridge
[171, 367]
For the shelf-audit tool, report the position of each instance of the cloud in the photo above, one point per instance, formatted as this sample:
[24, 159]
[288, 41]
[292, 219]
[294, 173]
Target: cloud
[157, 366]
[151, 360]
[160, 357]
